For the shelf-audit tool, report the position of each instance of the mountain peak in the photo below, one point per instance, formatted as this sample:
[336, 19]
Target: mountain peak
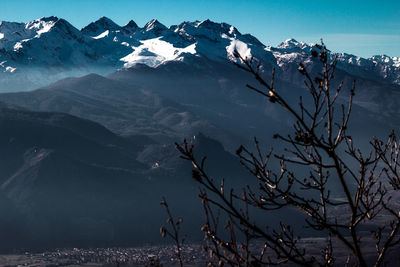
[130, 27]
[207, 23]
[289, 43]
[217, 27]
[292, 45]
[106, 21]
[42, 25]
[131, 24]
[100, 26]
[154, 24]
[48, 19]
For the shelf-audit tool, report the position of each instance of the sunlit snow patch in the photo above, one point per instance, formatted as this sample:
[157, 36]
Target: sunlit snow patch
[396, 62]
[152, 52]
[17, 46]
[231, 30]
[41, 25]
[102, 35]
[239, 46]
[282, 59]
[10, 69]
[1, 35]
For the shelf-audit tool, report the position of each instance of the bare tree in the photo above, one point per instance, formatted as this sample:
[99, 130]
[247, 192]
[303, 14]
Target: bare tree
[320, 144]
[174, 232]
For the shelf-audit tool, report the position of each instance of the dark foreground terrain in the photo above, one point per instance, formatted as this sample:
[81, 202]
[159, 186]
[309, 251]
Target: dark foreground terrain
[194, 255]
[106, 257]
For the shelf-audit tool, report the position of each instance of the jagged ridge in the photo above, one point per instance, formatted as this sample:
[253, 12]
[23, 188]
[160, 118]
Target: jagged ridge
[54, 45]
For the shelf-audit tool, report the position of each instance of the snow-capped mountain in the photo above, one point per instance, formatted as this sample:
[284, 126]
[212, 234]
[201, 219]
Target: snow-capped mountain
[44, 50]
[382, 68]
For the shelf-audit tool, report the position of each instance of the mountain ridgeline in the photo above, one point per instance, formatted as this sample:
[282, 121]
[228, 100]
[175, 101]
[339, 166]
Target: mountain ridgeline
[36, 53]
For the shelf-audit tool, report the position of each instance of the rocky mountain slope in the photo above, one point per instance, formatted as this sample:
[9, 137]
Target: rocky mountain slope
[66, 181]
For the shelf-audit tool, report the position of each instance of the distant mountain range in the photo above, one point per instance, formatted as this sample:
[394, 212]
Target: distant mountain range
[88, 119]
[36, 53]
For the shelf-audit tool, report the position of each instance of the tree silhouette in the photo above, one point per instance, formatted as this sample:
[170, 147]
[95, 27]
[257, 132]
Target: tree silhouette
[320, 144]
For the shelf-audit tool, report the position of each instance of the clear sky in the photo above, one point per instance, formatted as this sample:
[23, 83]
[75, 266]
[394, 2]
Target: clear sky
[363, 28]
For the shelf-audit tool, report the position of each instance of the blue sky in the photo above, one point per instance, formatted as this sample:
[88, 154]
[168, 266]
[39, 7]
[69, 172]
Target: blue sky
[362, 28]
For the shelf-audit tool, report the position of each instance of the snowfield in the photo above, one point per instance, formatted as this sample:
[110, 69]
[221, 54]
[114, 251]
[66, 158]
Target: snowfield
[155, 51]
